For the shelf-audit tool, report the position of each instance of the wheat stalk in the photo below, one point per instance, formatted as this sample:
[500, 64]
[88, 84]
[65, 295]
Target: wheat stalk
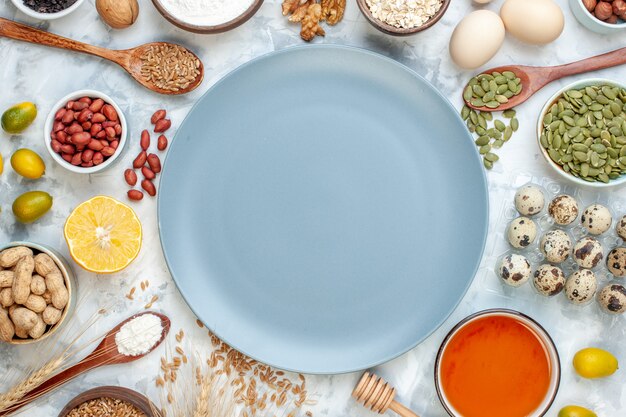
[35, 379]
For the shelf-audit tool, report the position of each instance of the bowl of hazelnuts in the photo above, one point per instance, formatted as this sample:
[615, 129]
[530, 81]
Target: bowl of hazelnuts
[601, 16]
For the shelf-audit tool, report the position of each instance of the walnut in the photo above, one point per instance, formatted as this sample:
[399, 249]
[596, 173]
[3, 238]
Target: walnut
[332, 11]
[300, 12]
[310, 23]
[289, 6]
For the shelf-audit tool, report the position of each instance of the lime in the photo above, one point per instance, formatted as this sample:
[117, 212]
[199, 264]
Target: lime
[31, 205]
[17, 118]
[28, 164]
[594, 363]
[576, 411]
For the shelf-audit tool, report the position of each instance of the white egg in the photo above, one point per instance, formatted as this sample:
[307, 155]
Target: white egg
[537, 22]
[476, 39]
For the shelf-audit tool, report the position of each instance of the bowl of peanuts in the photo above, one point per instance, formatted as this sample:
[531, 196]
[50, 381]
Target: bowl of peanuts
[36, 292]
[85, 132]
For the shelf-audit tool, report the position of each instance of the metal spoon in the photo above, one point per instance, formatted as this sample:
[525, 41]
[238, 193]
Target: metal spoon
[129, 59]
[535, 78]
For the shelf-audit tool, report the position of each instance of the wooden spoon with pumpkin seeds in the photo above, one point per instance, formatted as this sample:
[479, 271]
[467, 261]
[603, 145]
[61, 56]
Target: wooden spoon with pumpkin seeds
[511, 85]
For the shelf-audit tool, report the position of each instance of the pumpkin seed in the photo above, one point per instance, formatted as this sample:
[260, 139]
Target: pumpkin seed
[482, 140]
[509, 113]
[487, 164]
[499, 125]
[491, 157]
[514, 124]
[484, 149]
[497, 143]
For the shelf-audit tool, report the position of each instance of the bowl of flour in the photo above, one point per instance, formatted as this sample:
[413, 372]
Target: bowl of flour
[207, 16]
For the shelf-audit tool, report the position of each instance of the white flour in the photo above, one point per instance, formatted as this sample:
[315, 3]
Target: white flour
[206, 12]
[139, 335]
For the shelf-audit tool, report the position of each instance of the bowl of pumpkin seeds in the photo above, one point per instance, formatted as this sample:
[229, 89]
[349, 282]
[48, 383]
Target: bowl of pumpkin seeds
[582, 132]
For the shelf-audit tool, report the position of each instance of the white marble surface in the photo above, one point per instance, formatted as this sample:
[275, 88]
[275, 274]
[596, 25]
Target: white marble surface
[43, 75]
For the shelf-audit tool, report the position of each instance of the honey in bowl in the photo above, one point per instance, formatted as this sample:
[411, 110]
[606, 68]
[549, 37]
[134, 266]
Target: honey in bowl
[496, 365]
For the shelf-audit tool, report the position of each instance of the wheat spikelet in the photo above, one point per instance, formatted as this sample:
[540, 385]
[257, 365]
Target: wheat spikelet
[35, 379]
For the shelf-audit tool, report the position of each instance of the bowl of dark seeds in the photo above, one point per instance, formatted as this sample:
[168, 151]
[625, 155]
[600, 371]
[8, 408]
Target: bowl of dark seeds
[47, 9]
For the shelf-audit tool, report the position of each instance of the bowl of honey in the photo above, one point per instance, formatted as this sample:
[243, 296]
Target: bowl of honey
[497, 363]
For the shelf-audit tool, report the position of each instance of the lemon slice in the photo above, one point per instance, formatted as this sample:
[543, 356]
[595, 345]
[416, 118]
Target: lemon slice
[103, 235]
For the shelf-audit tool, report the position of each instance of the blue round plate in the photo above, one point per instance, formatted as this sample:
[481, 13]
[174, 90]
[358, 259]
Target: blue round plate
[323, 209]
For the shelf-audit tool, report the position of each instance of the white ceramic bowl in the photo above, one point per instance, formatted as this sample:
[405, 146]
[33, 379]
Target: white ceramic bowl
[540, 332]
[50, 120]
[556, 167]
[592, 23]
[45, 16]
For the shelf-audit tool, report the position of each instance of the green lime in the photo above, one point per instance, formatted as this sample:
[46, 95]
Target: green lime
[17, 118]
[31, 206]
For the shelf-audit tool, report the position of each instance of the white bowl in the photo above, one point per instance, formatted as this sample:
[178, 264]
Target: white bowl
[50, 120]
[593, 23]
[45, 16]
[556, 167]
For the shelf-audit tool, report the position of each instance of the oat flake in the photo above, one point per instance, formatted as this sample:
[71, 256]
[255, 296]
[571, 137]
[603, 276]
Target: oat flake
[404, 13]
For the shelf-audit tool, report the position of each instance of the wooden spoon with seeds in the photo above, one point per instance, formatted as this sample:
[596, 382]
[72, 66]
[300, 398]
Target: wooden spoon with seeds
[132, 60]
[106, 353]
[534, 79]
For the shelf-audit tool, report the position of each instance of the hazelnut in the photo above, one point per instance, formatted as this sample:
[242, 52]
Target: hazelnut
[612, 20]
[590, 4]
[603, 10]
[619, 7]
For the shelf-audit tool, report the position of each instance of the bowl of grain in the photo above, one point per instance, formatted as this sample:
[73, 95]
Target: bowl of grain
[37, 294]
[207, 16]
[402, 18]
[110, 402]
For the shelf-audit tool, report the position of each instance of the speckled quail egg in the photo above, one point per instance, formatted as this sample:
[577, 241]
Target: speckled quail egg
[563, 209]
[515, 269]
[529, 200]
[588, 252]
[556, 245]
[612, 299]
[616, 262]
[581, 286]
[620, 228]
[549, 280]
[596, 219]
[522, 232]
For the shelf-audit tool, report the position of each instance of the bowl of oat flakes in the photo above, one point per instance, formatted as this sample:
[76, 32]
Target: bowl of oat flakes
[404, 17]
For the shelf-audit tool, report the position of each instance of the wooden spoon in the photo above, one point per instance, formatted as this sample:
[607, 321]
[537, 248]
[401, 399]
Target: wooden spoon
[535, 78]
[106, 353]
[377, 395]
[129, 59]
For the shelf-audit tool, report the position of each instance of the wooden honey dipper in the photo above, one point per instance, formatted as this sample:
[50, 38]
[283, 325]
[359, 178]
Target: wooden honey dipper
[377, 395]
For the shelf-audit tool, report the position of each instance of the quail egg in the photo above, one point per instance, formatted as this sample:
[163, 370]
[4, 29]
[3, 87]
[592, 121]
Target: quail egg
[522, 232]
[620, 228]
[612, 299]
[515, 270]
[556, 245]
[596, 219]
[616, 262]
[563, 209]
[588, 252]
[549, 280]
[581, 286]
[529, 200]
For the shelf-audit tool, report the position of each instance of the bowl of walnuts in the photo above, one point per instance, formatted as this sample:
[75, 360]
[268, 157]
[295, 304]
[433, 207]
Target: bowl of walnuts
[36, 292]
[601, 16]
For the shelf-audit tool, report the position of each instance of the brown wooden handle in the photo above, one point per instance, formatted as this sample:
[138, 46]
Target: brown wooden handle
[18, 31]
[401, 410]
[610, 59]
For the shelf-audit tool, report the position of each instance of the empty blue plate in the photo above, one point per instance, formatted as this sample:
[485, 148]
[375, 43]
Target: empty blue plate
[323, 209]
